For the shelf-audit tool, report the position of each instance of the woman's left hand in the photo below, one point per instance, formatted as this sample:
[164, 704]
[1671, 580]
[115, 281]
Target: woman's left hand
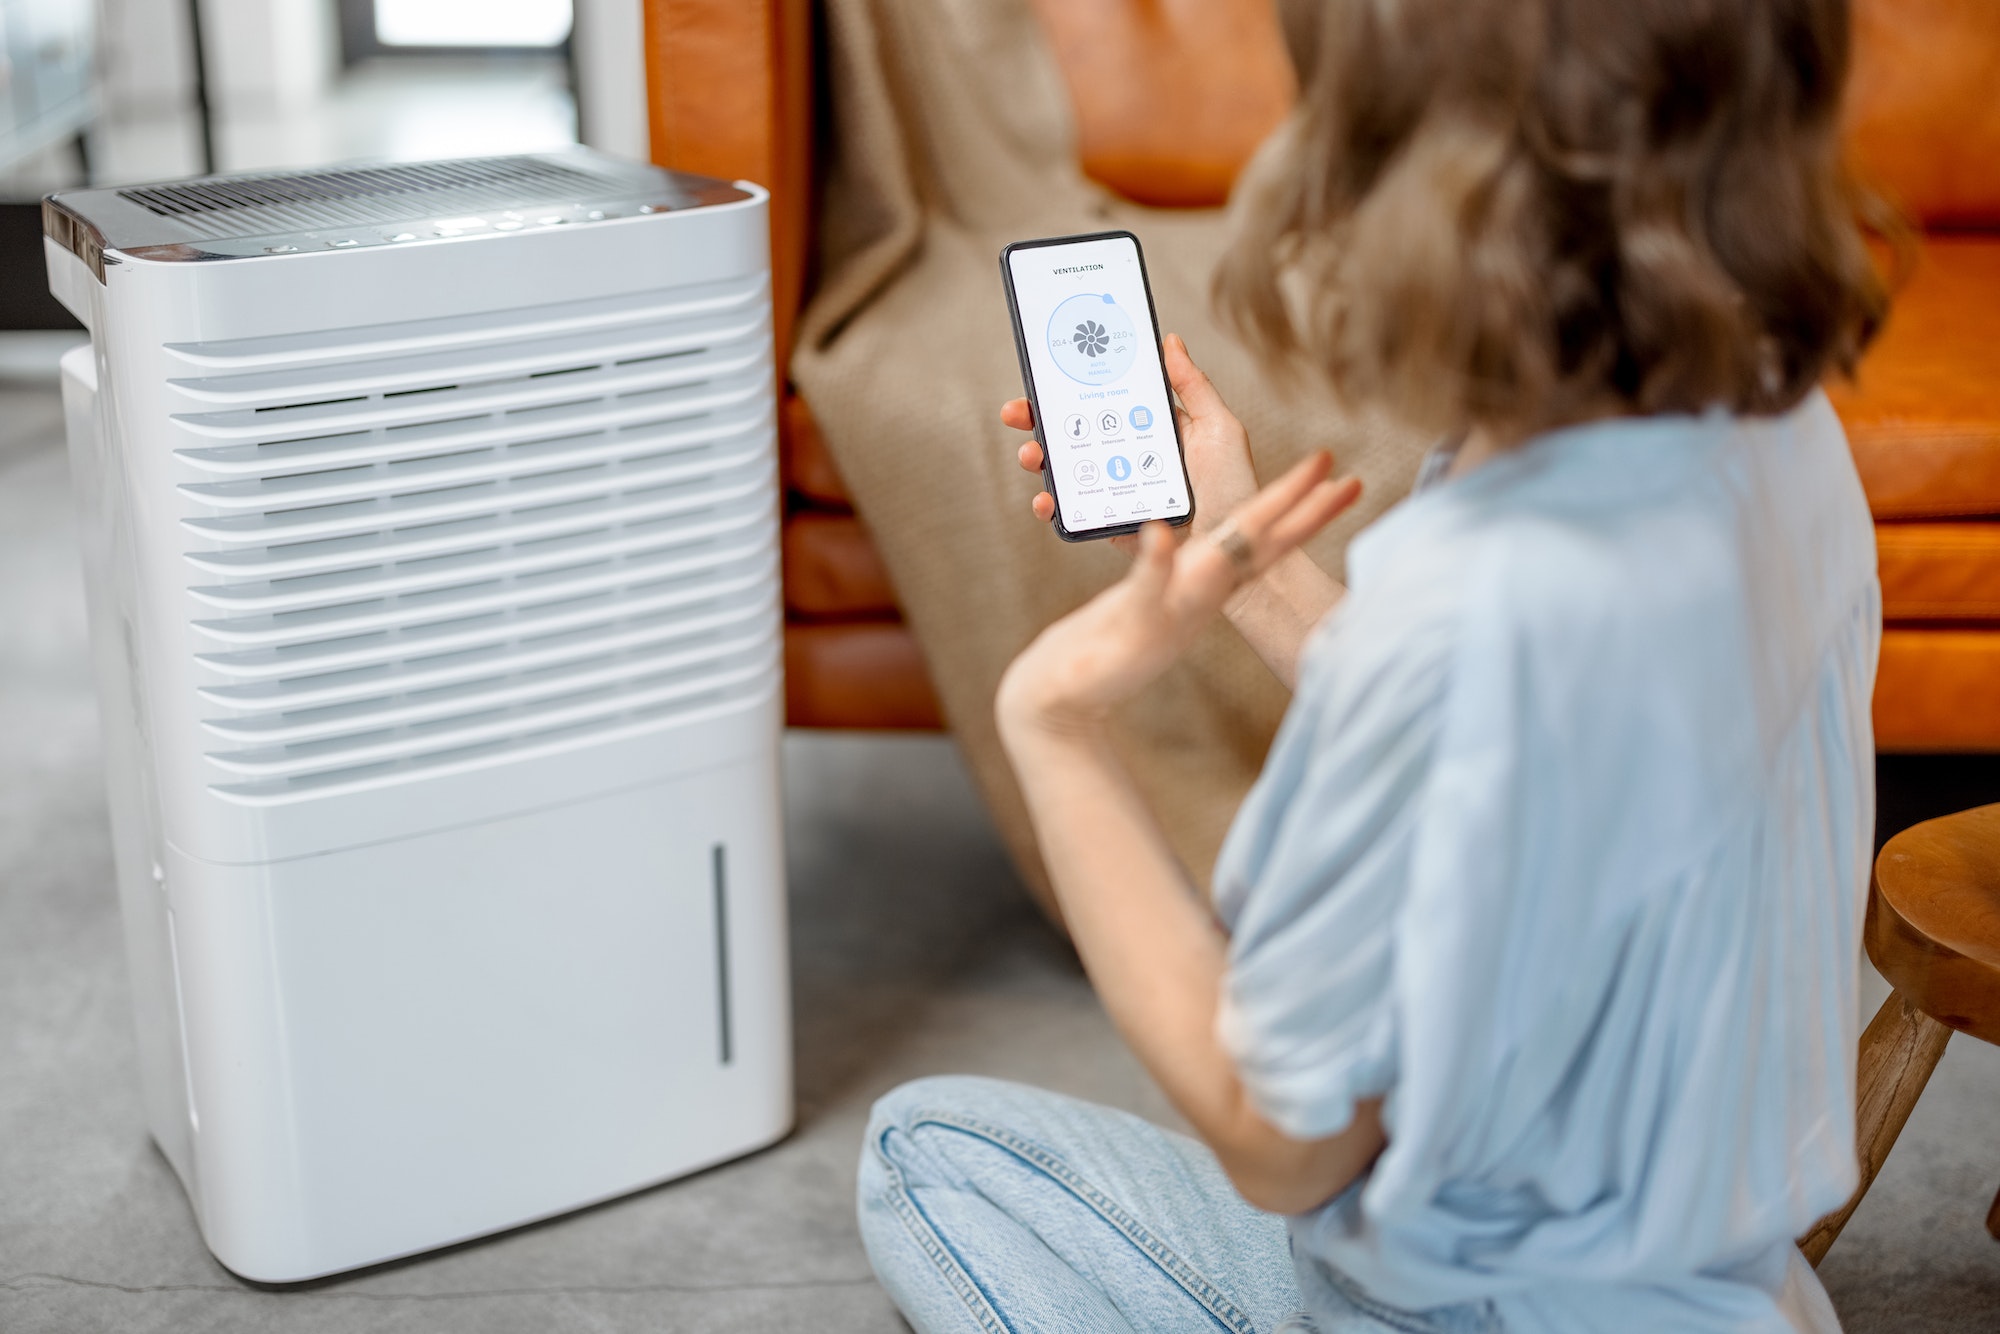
[1086, 664]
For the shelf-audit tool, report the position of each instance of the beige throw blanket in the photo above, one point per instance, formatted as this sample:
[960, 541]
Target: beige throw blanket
[952, 138]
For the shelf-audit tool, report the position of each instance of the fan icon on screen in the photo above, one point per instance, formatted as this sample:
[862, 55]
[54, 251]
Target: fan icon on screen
[1090, 339]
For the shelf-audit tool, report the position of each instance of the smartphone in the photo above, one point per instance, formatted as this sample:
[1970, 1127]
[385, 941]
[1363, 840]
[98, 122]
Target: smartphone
[1089, 344]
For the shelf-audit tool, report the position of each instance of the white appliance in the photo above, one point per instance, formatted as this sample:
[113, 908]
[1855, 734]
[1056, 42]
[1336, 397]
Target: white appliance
[430, 515]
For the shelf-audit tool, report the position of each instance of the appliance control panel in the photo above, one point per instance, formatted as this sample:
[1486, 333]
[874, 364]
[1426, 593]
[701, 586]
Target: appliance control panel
[254, 215]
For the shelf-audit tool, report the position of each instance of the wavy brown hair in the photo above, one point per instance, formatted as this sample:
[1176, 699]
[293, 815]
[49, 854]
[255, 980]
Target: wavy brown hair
[1516, 213]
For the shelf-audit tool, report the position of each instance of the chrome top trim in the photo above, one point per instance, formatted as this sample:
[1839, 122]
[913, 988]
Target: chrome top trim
[253, 215]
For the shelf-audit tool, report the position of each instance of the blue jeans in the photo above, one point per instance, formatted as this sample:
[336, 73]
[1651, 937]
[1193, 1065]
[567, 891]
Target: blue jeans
[1004, 1209]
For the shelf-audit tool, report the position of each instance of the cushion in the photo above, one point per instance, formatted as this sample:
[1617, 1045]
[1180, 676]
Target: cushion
[832, 570]
[1934, 690]
[808, 468]
[1923, 117]
[1170, 99]
[859, 673]
[1924, 413]
[1940, 572]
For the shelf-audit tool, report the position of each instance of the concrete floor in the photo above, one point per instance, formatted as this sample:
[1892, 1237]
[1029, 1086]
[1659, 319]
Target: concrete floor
[914, 952]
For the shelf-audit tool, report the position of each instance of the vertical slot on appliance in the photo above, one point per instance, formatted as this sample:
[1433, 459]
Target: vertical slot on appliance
[181, 1017]
[720, 868]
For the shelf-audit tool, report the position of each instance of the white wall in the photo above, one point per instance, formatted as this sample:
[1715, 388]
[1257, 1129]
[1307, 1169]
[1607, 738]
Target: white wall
[268, 55]
[146, 64]
[279, 100]
[263, 55]
[611, 77]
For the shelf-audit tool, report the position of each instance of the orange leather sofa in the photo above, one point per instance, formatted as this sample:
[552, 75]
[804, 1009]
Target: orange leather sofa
[732, 95]
[730, 86]
[1924, 414]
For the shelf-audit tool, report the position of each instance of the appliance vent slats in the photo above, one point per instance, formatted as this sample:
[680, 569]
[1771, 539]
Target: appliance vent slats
[526, 535]
[331, 197]
[596, 321]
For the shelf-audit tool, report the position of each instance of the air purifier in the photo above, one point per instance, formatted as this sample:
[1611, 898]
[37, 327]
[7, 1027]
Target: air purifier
[430, 525]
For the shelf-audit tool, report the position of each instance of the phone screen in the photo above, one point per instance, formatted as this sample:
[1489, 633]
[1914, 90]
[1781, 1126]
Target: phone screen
[1090, 351]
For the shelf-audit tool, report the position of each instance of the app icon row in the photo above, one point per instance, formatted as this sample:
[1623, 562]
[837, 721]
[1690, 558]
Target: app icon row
[1118, 468]
[1077, 427]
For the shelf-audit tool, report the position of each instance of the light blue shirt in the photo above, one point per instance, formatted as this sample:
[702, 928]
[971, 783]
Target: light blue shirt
[1563, 848]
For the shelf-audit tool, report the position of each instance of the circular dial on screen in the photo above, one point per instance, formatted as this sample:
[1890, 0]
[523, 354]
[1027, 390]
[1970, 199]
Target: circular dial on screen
[1092, 339]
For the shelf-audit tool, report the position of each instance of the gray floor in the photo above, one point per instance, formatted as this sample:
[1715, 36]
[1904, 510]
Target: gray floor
[914, 952]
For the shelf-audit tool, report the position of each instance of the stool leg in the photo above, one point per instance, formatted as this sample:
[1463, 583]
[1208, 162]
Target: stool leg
[1898, 1052]
[1993, 1219]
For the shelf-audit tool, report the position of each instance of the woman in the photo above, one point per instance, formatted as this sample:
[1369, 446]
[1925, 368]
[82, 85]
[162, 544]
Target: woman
[1527, 999]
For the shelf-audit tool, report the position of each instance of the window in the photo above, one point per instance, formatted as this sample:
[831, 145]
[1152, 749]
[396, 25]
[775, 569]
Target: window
[387, 27]
[543, 23]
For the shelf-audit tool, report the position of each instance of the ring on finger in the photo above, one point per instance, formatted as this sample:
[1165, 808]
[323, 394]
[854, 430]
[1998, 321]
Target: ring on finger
[1236, 546]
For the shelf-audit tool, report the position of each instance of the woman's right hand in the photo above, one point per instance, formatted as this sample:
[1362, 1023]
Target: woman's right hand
[1216, 447]
[1275, 612]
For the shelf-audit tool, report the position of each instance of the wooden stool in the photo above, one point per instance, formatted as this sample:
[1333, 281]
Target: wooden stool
[1933, 931]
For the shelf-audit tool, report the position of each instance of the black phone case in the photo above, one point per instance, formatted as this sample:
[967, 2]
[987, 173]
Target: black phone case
[1034, 403]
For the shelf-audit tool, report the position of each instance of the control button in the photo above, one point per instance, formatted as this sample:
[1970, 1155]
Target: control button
[344, 243]
[508, 226]
[551, 220]
[1086, 473]
[1108, 422]
[1119, 467]
[399, 236]
[1076, 426]
[648, 208]
[596, 215]
[1150, 464]
[1141, 417]
[281, 250]
[1110, 513]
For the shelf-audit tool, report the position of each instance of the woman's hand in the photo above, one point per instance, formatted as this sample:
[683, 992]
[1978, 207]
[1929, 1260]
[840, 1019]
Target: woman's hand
[1152, 950]
[1087, 663]
[1216, 446]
